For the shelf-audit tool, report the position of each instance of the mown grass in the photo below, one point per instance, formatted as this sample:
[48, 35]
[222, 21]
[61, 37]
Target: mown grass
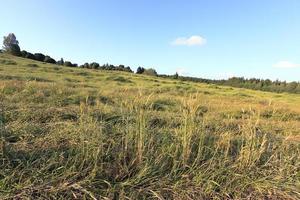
[70, 133]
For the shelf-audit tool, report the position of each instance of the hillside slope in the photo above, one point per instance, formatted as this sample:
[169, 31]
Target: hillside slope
[72, 133]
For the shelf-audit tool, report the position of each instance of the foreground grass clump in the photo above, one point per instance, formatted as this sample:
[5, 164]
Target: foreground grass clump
[112, 135]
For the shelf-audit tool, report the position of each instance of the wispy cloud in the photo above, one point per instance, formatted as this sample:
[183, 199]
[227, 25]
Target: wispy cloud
[286, 65]
[195, 40]
[182, 71]
[225, 75]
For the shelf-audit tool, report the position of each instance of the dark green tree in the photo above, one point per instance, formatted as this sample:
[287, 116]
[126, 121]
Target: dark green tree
[39, 57]
[68, 64]
[176, 76]
[86, 65]
[150, 72]
[140, 70]
[94, 65]
[48, 59]
[61, 62]
[11, 45]
[28, 55]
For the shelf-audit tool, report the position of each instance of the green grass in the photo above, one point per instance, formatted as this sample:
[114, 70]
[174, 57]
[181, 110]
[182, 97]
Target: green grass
[69, 133]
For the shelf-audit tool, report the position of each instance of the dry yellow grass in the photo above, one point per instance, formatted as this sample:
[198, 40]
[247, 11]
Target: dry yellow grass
[69, 133]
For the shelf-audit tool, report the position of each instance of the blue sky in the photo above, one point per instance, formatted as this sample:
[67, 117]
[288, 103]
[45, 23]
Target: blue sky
[209, 39]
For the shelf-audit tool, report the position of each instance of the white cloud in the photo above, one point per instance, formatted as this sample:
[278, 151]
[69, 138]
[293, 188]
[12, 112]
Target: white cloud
[225, 75]
[182, 71]
[194, 40]
[286, 64]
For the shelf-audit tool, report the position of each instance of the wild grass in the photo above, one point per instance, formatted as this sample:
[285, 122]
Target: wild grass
[114, 140]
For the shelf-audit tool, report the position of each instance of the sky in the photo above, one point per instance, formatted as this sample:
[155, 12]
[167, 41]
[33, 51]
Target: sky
[202, 38]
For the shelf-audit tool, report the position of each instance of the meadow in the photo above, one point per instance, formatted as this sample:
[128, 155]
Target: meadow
[71, 133]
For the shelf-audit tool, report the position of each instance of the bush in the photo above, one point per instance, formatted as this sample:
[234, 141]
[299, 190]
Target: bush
[39, 57]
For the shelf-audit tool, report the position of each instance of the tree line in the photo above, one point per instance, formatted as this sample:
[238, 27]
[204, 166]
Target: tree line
[11, 46]
[241, 82]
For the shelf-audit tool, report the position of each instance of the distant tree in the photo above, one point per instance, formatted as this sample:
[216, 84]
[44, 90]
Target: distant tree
[176, 75]
[28, 55]
[48, 59]
[11, 45]
[68, 64]
[150, 72]
[60, 62]
[86, 65]
[128, 69]
[297, 90]
[24, 53]
[39, 57]
[291, 87]
[94, 65]
[140, 70]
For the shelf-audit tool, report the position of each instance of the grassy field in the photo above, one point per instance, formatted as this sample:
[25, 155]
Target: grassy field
[69, 133]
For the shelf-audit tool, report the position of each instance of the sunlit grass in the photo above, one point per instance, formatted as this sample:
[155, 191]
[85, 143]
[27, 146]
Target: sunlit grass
[69, 133]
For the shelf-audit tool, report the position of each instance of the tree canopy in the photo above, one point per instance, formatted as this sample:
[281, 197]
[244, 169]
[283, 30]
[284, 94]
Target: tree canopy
[11, 45]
